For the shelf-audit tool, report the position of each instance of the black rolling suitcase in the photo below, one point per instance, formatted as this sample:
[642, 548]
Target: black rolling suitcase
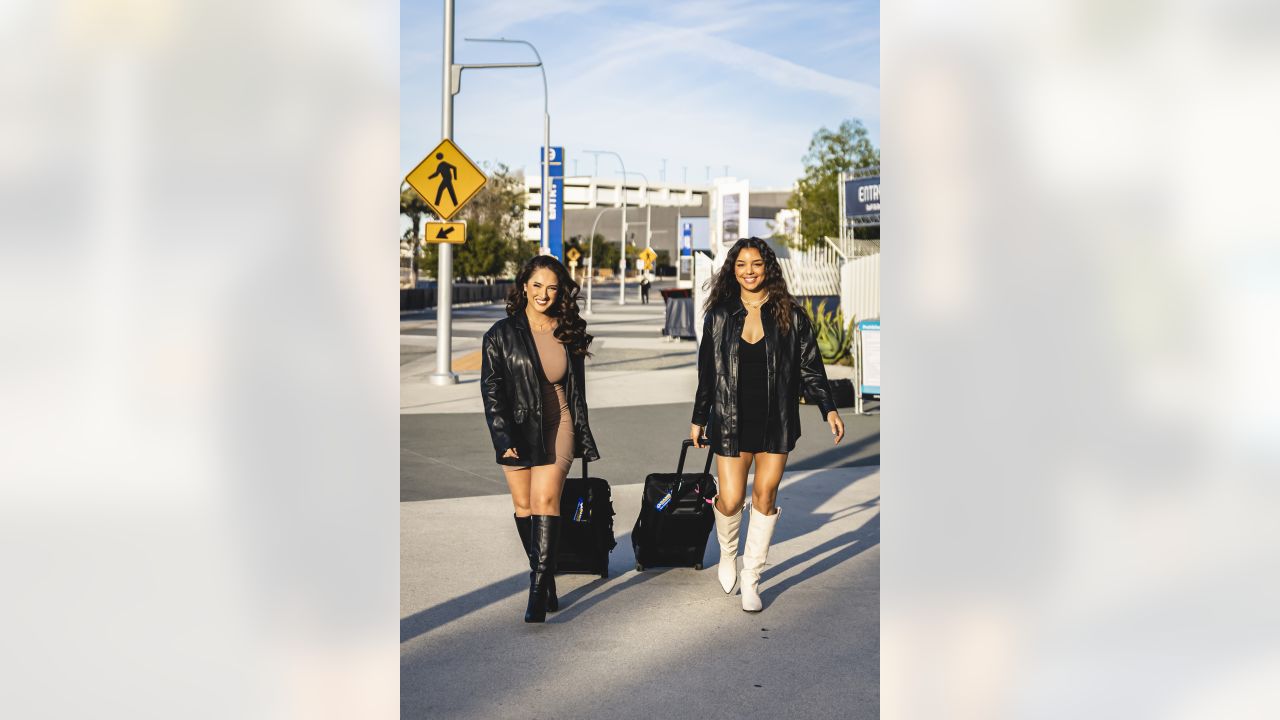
[675, 517]
[586, 526]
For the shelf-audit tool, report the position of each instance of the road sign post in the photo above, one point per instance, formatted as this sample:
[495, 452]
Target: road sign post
[444, 278]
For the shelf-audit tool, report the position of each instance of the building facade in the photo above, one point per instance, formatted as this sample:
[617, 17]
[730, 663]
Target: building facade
[655, 212]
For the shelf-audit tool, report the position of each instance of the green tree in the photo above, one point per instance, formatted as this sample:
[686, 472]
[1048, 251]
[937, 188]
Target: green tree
[817, 193]
[413, 207]
[495, 245]
[606, 254]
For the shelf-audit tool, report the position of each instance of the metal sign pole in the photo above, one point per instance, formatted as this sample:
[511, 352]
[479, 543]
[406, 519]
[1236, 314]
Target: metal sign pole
[857, 375]
[444, 374]
[622, 261]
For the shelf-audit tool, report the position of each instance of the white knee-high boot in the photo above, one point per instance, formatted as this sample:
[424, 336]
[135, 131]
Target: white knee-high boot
[727, 533]
[759, 535]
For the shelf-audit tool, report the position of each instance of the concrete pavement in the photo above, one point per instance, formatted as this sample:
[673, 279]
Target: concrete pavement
[659, 643]
[665, 641]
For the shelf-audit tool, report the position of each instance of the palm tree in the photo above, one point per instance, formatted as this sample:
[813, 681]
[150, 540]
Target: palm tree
[413, 207]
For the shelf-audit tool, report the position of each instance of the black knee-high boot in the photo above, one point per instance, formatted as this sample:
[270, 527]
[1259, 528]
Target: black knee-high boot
[544, 533]
[522, 527]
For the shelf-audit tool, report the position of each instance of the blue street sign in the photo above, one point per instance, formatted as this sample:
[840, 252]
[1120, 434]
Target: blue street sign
[686, 239]
[554, 223]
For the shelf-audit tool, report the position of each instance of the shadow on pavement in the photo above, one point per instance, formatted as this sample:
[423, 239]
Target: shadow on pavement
[846, 546]
[801, 518]
[572, 603]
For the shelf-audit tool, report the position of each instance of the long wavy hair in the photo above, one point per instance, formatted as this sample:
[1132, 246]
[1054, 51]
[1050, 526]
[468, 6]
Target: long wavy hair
[572, 329]
[725, 288]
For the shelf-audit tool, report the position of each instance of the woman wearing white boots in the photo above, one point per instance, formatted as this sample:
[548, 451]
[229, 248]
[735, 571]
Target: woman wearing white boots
[758, 353]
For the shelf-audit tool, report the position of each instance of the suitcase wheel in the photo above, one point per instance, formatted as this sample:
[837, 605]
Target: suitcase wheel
[697, 566]
[639, 567]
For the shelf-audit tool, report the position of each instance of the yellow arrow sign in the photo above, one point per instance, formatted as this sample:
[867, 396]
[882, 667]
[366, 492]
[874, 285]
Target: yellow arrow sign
[573, 254]
[446, 179]
[446, 232]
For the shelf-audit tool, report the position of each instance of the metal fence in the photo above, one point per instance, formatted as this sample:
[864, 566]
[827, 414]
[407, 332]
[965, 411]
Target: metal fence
[425, 297]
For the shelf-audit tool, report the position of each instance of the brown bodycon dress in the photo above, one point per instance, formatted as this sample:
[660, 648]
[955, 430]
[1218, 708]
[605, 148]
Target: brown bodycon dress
[557, 423]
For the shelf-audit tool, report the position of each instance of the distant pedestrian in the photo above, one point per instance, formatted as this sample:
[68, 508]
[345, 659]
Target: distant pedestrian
[645, 282]
[533, 387]
[758, 354]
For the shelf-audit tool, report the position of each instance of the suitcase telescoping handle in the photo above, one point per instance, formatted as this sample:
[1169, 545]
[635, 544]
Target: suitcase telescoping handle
[684, 448]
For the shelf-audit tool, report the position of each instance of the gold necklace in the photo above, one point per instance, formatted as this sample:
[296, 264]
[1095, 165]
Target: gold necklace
[756, 303]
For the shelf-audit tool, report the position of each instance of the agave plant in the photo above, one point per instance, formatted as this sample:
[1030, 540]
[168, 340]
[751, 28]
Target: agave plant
[834, 336]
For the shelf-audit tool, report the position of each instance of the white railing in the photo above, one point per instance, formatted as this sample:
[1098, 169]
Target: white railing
[815, 271]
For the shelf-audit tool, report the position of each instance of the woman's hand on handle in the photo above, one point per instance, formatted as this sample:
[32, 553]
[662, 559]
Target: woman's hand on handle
[695, 434]
[837, 426]
[511, 453]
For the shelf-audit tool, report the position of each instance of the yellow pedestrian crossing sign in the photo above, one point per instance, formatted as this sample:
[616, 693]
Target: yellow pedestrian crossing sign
[648, 255]
[446, 179]
[573, 254]
[446, 232]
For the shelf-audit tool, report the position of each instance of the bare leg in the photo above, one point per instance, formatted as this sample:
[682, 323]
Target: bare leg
[732, 482]
[546, 483]
[764, 487]
[518, 481]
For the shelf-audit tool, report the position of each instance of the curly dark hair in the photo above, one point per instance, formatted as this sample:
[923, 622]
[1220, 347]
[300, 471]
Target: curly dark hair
[572, 329]
[725, 288]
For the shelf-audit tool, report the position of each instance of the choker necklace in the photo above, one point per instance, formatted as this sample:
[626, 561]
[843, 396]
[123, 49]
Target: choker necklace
[756, 303]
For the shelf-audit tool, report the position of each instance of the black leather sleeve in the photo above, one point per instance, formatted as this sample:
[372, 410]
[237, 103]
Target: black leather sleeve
[493, 394]
[582, 427]
[706, 375]
[813, 376]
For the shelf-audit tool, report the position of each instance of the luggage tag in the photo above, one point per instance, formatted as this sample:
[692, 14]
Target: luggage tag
[579, 513]
[665, 501]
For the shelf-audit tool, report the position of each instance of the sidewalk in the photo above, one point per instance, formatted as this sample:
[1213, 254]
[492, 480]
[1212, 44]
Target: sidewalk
[665, 642]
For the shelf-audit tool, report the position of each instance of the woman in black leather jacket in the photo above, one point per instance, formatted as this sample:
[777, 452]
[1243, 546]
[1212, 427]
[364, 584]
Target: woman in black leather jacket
[533, 386]
[758, 353]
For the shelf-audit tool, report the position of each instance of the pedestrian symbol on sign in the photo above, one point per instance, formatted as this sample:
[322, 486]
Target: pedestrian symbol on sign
[446, 179]
[447, 174]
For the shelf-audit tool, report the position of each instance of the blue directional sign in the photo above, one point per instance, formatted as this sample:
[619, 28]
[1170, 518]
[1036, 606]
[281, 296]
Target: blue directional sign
[554, 223]
[686, 239]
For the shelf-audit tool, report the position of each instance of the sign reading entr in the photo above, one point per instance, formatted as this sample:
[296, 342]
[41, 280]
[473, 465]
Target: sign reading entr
[862, 196]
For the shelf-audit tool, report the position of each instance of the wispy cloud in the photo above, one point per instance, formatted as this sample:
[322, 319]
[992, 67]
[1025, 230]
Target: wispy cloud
[497, 16]
[650, 42]
[699, 83]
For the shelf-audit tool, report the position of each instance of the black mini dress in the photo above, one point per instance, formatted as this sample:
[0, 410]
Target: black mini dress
[753, 396]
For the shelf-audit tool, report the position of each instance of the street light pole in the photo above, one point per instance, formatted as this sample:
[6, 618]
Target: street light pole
[622, 261]
[591, 255]
[648, 209]
[546, 135]
[444, 277]
[452, 84]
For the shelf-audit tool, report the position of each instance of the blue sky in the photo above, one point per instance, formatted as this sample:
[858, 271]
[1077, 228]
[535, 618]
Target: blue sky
[699, 82]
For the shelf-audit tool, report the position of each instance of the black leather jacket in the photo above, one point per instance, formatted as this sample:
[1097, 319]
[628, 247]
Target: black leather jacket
[511, 388]
[794, 365]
